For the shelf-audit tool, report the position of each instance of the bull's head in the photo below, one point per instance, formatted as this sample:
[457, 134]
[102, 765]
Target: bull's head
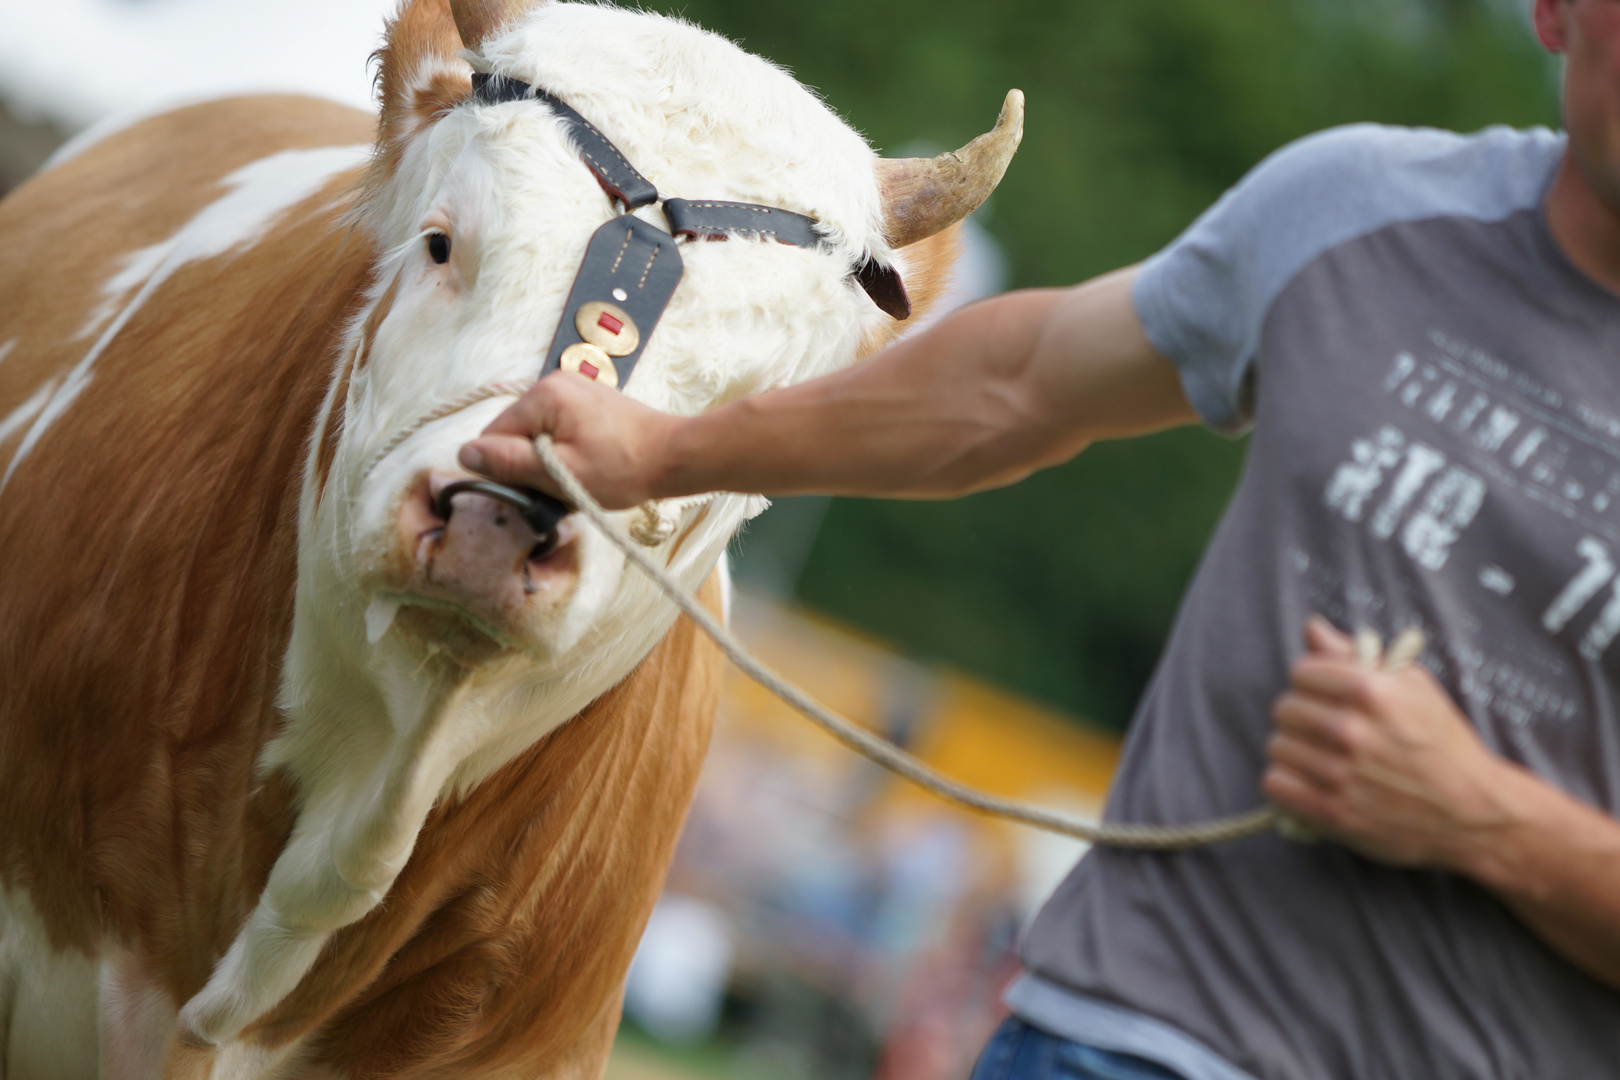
[481, 214]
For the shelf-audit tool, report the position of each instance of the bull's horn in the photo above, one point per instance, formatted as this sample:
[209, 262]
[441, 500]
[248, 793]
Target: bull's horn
[924, 196]
[478, 20]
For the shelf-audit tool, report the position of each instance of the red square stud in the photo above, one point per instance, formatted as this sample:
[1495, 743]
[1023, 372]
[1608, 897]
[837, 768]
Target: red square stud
[609, 323]
[588, 369]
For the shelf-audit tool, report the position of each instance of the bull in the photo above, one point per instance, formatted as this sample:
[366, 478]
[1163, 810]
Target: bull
[304, 772]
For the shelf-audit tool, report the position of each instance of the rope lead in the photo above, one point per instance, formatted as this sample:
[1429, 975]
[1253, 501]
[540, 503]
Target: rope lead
[885, 753]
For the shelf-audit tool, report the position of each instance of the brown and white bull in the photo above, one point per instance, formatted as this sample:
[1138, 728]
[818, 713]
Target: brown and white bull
[297, 778]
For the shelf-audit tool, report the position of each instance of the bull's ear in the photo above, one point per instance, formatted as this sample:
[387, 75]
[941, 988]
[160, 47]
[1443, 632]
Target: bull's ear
[882, 283]
[928, 266]
[420, 75]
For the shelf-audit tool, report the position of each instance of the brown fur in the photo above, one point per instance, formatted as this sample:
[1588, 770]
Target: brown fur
[140, 656]
[141, 643]
[374, 320]
[150, 538]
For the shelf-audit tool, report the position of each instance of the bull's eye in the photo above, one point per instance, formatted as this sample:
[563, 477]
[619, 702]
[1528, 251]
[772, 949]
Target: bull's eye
[439, 247]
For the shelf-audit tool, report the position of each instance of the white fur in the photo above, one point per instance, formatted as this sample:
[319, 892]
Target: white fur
[48, 1000]
[19, 416]
[379, 729]
[257, 196]
[23, 415]
[723, 569]
[137, 1019]
[70, 1016]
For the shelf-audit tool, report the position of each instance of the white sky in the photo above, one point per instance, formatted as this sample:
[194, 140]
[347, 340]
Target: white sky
[77, 61]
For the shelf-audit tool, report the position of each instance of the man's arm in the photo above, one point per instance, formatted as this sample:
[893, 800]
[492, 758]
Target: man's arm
[1387, 764]
[983, 398]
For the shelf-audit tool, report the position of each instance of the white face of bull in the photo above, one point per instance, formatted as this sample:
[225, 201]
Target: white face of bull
[384, 585]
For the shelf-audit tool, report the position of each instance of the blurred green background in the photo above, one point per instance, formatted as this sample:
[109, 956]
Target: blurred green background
[1140, 114]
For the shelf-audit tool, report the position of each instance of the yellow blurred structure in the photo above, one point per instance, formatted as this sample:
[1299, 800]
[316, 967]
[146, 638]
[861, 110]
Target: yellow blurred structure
[968, 730]
[864, 927]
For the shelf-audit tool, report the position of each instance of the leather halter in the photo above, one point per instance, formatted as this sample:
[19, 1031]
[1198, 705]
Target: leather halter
[646, 247]
[630, 272]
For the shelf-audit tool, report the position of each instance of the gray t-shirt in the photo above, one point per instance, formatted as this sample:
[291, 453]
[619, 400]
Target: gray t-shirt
[1434, 391]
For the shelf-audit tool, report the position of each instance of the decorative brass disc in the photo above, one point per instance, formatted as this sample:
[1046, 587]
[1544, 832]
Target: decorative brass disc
[590, 362]
[609, 327]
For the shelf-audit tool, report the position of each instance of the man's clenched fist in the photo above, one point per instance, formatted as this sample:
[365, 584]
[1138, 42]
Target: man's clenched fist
[1384, 762]
[616, 446]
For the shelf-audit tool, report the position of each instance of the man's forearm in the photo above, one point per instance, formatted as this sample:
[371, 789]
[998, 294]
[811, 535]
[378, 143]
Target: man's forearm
[1555, 862]
[902, 423]
[982, 399]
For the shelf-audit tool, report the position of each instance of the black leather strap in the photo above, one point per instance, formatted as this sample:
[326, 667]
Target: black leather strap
[498, 89]
[632, 265]
[636, 266]
[714, 220]
[617, 176]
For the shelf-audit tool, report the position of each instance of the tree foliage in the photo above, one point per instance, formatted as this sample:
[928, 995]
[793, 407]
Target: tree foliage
[1139, 115]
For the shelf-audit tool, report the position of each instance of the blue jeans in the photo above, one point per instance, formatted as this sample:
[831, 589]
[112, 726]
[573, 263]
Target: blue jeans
[1019, 1052]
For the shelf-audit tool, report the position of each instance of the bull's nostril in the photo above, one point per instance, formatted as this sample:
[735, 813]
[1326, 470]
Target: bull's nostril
[538, 554]
[443, 506]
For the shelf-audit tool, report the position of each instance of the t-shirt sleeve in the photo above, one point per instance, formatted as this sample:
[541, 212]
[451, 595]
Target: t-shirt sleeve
[1203, 299]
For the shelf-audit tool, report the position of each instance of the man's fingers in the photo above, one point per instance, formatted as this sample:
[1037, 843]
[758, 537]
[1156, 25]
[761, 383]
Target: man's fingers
[610, 442]
[1324, 639]
[526, 415]
[509, 459]
[1290, 790]
[1337, 678]
[1319, 721]
[1325, 769]
[539, 411]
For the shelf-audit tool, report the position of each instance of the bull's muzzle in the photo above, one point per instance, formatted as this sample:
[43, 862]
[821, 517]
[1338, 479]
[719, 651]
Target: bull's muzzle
[542, 512]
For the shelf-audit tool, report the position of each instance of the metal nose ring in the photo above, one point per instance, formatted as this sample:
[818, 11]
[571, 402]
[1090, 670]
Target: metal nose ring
[542, 512]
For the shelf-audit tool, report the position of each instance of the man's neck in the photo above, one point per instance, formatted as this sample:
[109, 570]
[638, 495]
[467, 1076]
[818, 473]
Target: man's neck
[1584, 225]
